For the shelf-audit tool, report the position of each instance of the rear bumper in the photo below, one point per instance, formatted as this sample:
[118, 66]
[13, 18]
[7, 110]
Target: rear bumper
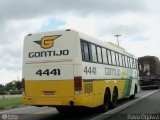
[87, 101]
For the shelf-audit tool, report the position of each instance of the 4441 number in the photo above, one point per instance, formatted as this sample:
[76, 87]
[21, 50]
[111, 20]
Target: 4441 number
[48, 72]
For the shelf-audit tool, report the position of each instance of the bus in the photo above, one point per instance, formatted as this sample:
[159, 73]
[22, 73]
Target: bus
[149, 70]
[68, 69]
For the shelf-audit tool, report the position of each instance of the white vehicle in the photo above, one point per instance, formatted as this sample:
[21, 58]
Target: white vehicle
[67, 68]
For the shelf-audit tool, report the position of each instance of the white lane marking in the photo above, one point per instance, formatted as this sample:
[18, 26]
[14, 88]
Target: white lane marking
[16, 109]
[118, 109]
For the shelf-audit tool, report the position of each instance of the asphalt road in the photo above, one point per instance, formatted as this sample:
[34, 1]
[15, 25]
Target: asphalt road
[144, 103]
[148, 107]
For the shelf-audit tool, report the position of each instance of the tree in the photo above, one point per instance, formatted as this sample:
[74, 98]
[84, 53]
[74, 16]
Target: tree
[1, 89]
[13, 87]
[10, 86]
[18, 85]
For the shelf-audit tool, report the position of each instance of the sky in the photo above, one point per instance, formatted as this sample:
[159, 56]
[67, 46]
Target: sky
[137, 21]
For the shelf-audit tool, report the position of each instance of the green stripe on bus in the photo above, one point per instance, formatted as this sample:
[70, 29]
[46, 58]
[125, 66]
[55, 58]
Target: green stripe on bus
[127, 87]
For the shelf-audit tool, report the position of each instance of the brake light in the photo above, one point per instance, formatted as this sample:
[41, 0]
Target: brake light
[78, 84]
[23, 84]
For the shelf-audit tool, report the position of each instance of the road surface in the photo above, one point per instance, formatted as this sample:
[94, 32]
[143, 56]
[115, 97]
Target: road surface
[147, 101]
[148, 107]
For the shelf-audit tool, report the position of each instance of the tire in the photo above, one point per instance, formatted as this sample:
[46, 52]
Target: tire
[114, 98]
[66, 109]
[62, 109]
[105, 106]
[133, 96]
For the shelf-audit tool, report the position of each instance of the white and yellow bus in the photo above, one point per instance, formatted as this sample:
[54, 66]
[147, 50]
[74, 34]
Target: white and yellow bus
[67, 68]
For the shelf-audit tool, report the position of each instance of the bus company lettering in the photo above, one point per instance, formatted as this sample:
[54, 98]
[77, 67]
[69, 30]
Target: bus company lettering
[112, 72]
[48, 53]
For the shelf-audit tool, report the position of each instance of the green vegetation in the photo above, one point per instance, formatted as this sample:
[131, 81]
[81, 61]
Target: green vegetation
[1, 89]
[13, 87]
[11, 102]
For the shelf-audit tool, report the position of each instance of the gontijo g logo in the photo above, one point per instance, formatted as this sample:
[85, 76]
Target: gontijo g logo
[47, 41]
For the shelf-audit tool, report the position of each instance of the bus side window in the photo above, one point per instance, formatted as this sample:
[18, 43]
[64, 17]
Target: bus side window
[85, 52]
[104, 54]
[123, 61]
[82, 50]
[117, 59]
[120, 59]
[99, 54]
[109, 57]
[94, 53]
[113, 57]
[129, 62]
[126, 61]
[134, 64]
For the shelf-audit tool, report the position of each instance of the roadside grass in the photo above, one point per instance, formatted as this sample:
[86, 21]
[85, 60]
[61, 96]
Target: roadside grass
[11, 102]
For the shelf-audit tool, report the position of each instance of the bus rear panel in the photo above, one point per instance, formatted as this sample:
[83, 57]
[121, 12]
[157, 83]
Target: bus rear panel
[149, 68]
[49, 73]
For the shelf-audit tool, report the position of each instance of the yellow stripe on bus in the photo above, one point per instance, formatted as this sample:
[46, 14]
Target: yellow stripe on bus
[61, 92]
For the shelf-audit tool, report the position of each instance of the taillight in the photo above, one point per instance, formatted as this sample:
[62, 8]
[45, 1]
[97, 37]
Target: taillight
[78, 84]
[23, 84]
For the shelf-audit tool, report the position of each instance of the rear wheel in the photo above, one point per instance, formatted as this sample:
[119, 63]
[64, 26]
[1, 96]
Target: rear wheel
[62, 109]
[132, 96]
[105, 106]
[114, 98]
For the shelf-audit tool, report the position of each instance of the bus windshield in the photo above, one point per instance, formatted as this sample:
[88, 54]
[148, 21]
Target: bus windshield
[146, 69]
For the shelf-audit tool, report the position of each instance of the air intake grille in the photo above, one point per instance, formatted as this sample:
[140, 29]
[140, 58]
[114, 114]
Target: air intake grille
[88, 88]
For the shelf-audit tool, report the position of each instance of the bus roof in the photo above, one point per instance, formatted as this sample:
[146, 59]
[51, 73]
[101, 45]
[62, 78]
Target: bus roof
[91, 39]
[108, 45]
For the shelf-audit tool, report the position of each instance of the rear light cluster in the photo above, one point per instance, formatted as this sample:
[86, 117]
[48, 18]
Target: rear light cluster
[78, 85]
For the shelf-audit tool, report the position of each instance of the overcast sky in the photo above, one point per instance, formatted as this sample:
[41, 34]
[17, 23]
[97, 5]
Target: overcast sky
[138, 21]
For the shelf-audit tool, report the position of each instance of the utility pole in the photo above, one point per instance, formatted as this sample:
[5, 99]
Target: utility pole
[117, 38]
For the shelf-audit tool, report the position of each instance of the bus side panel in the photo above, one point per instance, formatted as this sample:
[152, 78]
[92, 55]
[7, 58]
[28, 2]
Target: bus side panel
[103, 76]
